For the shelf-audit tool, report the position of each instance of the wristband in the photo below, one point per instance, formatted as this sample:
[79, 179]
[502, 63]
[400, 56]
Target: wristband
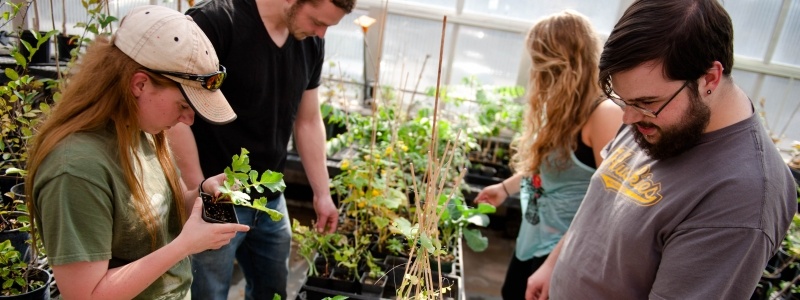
[200, 189]
[502, 183]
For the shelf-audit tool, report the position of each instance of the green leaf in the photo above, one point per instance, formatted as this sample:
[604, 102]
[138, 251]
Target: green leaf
[20, 59]
[486, 208]
[479, 219]
[426, 243]
[404, 227]
[273, 181]
[475, 240]
[11, 74]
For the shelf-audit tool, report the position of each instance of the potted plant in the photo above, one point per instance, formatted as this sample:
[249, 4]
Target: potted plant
[23, 271]
[20, 279]
[240, 178]
[782, 274]
[373, 280]
[14, 220]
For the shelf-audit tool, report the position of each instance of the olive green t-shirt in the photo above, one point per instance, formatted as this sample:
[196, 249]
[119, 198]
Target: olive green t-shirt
[85, 208]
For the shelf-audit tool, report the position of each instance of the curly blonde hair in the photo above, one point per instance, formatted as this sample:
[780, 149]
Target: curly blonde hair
[563, 90]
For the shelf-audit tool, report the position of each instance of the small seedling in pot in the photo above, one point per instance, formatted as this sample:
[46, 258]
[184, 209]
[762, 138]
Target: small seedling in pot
[239, 181]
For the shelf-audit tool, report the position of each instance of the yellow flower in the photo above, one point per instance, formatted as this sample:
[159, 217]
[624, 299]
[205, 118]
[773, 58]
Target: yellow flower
[405, 148]
[389, 151]
[345, 164]
[361, 204]
[376, 193]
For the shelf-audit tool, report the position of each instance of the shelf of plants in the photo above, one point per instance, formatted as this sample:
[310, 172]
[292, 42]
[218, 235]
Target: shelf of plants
[327, 284]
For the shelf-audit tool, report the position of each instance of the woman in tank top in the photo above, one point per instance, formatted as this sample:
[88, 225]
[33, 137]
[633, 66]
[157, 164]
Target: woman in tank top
[566, 125]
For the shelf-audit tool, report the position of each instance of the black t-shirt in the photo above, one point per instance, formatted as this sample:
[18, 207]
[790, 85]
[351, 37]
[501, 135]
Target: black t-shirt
[264, 86]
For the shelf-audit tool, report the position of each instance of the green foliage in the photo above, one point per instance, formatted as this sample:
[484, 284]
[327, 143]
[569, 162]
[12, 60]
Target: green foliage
[240, 178]
[498, 107]
[24, 103]
[311, 242]
[14, 272]
[498, 115]
[349, 254]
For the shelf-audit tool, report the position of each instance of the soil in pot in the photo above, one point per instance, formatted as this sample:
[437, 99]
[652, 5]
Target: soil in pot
[372, 286]
[217, 211]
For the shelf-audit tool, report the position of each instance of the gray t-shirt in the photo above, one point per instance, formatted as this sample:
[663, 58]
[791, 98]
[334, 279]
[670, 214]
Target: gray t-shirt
[701, 225]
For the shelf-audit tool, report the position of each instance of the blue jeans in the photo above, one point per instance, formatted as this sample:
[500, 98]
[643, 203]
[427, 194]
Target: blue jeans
[263, 255]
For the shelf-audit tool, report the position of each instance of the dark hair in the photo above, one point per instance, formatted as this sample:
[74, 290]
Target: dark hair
[686, 36]
[346, 5]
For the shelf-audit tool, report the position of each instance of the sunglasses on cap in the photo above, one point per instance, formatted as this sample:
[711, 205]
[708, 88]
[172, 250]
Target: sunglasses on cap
[211, 82]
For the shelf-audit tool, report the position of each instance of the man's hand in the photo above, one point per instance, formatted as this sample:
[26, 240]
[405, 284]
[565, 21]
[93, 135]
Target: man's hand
[327, 215]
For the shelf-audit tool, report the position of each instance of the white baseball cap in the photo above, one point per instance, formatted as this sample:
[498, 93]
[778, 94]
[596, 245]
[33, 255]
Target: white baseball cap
[169, 43]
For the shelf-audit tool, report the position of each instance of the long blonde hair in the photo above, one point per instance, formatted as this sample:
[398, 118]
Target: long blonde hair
[563, 89]
[99, 95]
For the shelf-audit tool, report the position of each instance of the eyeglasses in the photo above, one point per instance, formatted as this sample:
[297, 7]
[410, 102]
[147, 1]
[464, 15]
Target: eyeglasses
[211, 82]
[644, 111]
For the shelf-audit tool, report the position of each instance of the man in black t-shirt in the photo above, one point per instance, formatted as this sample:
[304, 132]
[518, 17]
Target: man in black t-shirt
[273, 52]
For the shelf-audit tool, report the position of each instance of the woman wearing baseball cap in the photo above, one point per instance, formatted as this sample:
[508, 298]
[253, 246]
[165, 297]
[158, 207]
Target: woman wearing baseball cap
[115, 218]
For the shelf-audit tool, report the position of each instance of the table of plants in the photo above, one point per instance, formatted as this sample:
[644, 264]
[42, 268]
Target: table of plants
[403, 214]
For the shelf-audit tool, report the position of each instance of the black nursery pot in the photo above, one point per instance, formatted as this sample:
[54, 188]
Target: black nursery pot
[372, 286]
[64, 45]
[219, 212]
[42, 293]
[341, 282]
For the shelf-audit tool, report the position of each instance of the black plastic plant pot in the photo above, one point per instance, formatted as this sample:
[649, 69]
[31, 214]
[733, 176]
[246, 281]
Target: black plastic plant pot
[371, 286]
[447, 281]
[322, 279]
[393, 261]
[65, 44]
[394, 277]
[447, 266]
[41, 293]
[341, 282]
[218, 211]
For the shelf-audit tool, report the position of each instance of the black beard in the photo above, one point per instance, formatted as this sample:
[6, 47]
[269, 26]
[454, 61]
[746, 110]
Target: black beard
[678, 139]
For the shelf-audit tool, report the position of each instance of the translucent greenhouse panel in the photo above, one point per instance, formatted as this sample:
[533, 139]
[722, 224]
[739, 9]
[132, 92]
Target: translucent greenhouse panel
[747, 81]
[491, 56]
[446, 4]
[344, 50]
[753, 23]
[789, 42]
[603, 14]
[781, 107]
[407, 41]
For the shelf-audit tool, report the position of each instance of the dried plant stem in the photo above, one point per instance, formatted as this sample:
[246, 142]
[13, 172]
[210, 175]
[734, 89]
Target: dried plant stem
[418, 279]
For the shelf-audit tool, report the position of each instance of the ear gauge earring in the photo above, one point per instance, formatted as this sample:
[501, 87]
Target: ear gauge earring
[708, 92]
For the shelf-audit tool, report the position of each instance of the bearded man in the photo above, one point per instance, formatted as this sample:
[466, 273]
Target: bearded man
[692, 198]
